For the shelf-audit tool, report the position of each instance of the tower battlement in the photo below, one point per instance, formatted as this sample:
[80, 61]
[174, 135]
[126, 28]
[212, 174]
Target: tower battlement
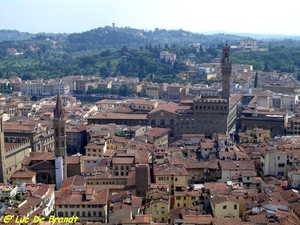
[14, 147]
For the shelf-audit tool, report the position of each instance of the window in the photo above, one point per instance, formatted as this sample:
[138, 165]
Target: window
[171, 122]
[235, 207]
[152, 122]
[224, 206]
[176, 179]
[178, 197]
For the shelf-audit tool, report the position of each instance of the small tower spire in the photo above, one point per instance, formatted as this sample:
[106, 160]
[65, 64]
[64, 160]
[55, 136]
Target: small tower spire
[59, 112]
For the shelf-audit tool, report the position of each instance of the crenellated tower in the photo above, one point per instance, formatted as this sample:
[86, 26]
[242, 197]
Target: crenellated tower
[226, 67]
[59, 125]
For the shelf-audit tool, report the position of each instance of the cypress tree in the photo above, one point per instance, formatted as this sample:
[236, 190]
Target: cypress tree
[256, 80]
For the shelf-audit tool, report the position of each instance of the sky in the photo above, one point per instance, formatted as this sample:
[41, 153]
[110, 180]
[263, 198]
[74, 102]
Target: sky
[232, 16]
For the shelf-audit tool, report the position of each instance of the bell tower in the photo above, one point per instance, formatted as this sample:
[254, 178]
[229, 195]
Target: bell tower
[59, 125]
[226, 68]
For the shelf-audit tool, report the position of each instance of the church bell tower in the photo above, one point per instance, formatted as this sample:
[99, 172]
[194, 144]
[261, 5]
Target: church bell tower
[59, 125]
[226, 67]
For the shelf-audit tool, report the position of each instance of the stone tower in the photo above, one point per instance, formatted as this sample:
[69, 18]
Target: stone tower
[3, 176]
[142, 179]
[59, 125]
[226, 68]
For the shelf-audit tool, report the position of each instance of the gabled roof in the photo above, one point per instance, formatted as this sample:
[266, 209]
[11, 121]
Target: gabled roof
[165, 106]
[23, 173]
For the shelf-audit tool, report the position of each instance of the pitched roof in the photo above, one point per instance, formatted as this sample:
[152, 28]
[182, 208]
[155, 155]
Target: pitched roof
[23, 173]
[165, 106]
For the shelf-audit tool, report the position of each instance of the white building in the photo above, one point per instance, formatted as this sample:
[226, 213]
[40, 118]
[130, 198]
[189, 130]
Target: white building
[294, 178]
[249, 44]
[274, 163]
[167, 56]
[230, 169]
[32, 87]
[289, 102]
[47, 88]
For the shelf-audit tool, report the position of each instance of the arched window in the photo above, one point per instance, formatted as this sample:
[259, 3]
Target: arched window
[162, 122]
[171, 122]
[153, 122]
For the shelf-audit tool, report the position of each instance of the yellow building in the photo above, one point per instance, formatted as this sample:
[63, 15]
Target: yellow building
[190, 198]
[225, 206]
[171, 175]
[115, 142]
[121, 165]
[152, 91]
[97, 149]
[159, 209]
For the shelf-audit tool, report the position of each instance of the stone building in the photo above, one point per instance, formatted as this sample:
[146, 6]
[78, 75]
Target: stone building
[11, 154]
[210, 114]
[40, 137]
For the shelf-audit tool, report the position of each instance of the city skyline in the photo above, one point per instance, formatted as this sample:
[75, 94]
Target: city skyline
[69, 16]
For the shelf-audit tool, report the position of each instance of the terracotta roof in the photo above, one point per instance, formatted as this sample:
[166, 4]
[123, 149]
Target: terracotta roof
[63, 197]
[74, 159]
[169, 169]
[139, 219]
[119, 116]
[121, 160]
[197, 219]
[95, 145]
[227, 221]
[165, 106]
[237, 165]
[74, 181]
[15, 126]
[157, 131]
[23, 173]
[202, 165]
